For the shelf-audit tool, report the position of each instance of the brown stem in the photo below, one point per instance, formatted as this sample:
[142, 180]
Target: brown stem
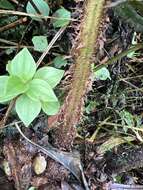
[13, 24]
[72, 108]
[11, 105]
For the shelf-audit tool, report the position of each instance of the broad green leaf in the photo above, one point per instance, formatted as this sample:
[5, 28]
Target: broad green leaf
[22, 66]
[63, 16]
[41, 90]
[14, 87]
[27, 109]
[3, 84]
[5, 4]
[40, 43]
[42, 7]
[50, 75]
[50, 108]
[102, 74]
[59, 61]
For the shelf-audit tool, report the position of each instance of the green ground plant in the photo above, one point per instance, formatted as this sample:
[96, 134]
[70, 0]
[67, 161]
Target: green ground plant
[32, 88]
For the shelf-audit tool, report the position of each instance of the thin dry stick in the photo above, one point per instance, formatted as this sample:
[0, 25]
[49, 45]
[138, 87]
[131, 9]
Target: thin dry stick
[23, 34]
[7, 42]
[15, 1]
[114, 4]
[33, 143]
[13, 24]
[58, 34]
[9, 12]
[12, 103]
[16, 47]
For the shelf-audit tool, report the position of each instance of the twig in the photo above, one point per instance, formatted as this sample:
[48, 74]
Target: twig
[16, 47]
[58, 34]
[8, 42]
[122, 187]
[119, 56]
[13, 24]
[114, 4]
[12, 103]
[15, 1]
[23, 34]
[9, 12]
[132, 85]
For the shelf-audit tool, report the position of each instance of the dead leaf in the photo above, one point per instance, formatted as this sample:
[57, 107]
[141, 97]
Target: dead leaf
[65, 186]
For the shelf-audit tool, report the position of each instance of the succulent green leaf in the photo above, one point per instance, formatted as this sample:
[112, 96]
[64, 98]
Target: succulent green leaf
[102, 74]
[41, 90]
[59, 61]
[40, 43]
[22, 66]
[50, 108]
[50, 75]
[63, 16]
[27, 109]
[14, 87]
[42, 7]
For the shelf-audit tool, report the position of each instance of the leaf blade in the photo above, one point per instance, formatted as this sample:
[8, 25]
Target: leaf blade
[22, 66]
[41, 90]
[50, 108]
[40, 43]
[50, 75]
[59, 62]
[23, 103]
[14, 87]
[102, 74]
[65, 16]
[42, 7]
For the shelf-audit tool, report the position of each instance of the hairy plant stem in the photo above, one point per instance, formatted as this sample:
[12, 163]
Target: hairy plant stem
[73, 105]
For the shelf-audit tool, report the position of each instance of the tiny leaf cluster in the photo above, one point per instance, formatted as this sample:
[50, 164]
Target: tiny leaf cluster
[32, 88]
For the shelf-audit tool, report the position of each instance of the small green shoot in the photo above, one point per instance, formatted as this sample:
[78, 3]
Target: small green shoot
[63, 18]
[59, 61]
[32, 88]
[102, 74]
[40, 43]
[41, 5]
